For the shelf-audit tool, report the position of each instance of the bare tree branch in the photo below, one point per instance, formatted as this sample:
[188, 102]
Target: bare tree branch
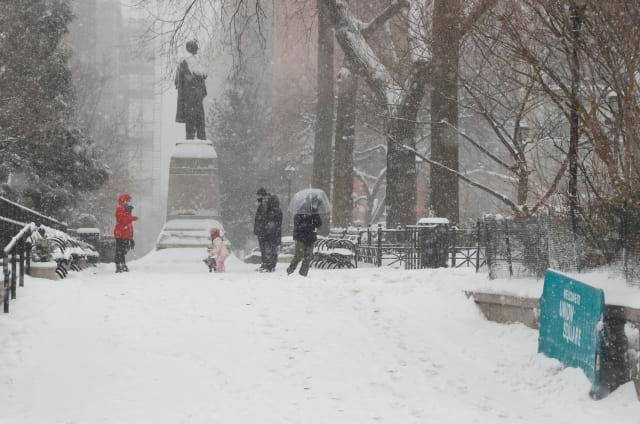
[480, 147]
[554, 186]
[392, 10]
[475, 14]
[355, 47]
[504, 199]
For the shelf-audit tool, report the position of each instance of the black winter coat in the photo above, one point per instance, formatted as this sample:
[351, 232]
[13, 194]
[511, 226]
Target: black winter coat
[268, 222]
[273, 221]
[260, 222]
[304, 227]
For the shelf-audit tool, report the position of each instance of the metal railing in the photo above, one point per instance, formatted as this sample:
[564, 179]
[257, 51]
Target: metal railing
[14, 217]
[16, 212]
[17, 250]
[17, 226]
[416, 246]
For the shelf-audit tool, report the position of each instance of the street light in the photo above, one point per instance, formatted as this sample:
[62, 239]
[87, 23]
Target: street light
[612, 102]
[524, 131]
[611, 108]
[577, 9]
[289, 173]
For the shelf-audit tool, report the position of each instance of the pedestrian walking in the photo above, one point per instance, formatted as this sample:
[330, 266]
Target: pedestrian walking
[305, 227]
[123, 231]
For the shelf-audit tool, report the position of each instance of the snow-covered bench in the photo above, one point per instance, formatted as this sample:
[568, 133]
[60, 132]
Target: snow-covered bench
[51, 246]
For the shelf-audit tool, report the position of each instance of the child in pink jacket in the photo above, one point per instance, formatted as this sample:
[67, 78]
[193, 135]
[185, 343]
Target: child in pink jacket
[219, 251]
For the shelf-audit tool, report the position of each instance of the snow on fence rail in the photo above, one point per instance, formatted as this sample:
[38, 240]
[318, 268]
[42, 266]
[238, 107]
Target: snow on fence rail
[40, 244]
[15, 245]
[12, 211]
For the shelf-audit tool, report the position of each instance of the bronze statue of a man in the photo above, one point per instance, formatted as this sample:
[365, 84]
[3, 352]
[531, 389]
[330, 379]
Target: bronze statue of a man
[192, 90]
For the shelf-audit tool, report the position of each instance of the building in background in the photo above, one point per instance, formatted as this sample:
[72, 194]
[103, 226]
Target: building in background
[140, 78]
[82, 31]
[120, 83]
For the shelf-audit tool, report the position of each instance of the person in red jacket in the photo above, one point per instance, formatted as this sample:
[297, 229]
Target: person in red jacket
[123, 231]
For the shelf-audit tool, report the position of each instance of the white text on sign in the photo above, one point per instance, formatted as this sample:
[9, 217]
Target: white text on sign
[570, 333]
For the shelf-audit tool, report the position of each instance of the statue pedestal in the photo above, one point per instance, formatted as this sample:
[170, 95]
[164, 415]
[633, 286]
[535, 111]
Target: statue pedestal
[194, 196]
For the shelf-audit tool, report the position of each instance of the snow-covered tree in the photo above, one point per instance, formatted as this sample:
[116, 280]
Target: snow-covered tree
[50, 160]
[240, 124]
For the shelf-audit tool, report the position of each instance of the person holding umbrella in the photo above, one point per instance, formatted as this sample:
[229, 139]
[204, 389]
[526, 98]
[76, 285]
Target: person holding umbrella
[306, 206]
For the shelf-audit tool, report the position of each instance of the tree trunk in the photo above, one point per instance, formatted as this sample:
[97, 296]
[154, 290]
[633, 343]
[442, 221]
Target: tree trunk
[401, 171]
[343, 148]
[523, 187]
[324, 108]
[444, 107]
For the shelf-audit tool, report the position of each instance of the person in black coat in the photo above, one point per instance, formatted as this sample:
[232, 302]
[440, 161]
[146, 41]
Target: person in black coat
[305, 234]
[272, 233]
[260, 224]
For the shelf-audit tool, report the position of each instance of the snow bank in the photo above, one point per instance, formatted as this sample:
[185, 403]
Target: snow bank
[171, 343]
[616, 290]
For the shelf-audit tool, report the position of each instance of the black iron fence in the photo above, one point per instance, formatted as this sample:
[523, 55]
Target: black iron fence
[467, 248]
[415, 246]
[16, 251]
[507, 247]
[526, 247]
[16, 212]
[630, 241]
[26, 236]
[15, 217]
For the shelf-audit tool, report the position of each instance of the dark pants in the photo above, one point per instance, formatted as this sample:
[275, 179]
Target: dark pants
[193, 127]
[268, 254]
[122, 247]
[304, 253]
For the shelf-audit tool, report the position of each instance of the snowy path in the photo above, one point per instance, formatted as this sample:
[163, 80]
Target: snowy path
[158, 346]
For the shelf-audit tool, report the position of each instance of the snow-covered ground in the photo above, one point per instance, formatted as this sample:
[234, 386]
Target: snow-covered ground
[171, 343]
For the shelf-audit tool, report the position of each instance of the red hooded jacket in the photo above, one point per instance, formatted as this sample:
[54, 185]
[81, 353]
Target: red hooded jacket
[124, 219]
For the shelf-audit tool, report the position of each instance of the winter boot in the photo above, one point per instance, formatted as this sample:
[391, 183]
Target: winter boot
[118, 268]
[125, 268]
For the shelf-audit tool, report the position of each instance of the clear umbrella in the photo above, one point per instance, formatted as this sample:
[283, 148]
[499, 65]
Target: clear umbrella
[310, 200]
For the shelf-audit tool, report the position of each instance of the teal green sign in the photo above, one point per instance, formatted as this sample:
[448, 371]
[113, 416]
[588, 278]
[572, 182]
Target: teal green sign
[571, 315]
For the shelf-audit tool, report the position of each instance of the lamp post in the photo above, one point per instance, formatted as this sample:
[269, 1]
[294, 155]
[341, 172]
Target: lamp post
[613, 105]
[289, 173]
[576, 16]
[524, 131]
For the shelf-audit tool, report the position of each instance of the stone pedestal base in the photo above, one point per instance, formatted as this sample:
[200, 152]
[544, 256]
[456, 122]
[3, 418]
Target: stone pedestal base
[193, 181]
[178, 233]
[193, 202]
